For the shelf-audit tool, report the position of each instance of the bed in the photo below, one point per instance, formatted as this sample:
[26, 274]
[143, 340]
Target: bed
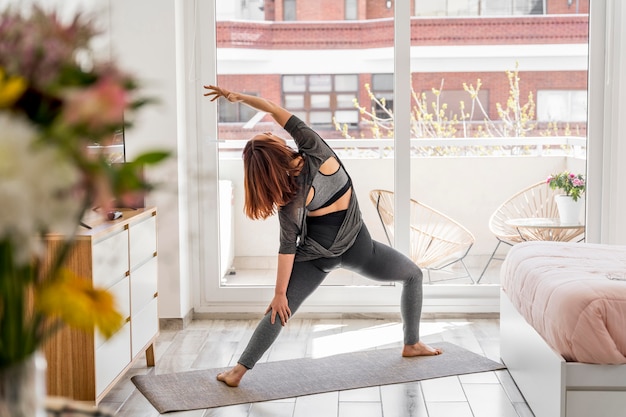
[563, 327]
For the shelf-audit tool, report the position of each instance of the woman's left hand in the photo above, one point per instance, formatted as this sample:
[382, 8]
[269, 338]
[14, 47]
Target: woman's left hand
[216, 92]
[279, 306]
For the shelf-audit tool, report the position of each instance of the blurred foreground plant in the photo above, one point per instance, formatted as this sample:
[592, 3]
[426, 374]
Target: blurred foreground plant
[55, 101]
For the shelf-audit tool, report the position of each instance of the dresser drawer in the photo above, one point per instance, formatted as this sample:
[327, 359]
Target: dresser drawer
[110, 259]
[143, 285]
[143, 241]
[112, 357]
[588, 403]
[145, 325]
[121, 294]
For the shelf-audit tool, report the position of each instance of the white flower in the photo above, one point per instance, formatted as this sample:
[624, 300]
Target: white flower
[36, 183]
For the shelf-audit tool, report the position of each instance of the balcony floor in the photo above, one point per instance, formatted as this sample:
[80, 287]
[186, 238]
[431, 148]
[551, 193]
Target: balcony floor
[244, 277]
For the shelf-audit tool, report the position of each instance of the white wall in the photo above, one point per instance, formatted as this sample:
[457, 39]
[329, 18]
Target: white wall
[143, 40]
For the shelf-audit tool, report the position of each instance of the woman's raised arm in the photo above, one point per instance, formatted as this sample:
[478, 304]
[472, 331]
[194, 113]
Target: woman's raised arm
[278, 113]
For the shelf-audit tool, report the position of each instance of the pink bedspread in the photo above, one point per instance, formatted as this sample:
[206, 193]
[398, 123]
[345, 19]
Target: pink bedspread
[563, 290]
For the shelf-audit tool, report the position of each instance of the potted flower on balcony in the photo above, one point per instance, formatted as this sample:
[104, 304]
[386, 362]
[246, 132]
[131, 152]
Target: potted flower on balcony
[569, 204]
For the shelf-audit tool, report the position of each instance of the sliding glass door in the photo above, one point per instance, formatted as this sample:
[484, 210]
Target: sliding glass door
[453, 108]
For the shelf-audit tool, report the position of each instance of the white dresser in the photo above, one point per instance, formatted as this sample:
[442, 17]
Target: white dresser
[119, 255]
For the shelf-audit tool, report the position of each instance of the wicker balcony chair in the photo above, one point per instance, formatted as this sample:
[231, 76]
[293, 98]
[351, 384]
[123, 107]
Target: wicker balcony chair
[537, 201]
[436, 240]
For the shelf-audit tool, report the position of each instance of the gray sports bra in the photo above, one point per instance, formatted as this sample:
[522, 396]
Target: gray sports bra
[328, 188]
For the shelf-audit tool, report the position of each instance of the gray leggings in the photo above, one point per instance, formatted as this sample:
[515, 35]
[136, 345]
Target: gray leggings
[366, 257]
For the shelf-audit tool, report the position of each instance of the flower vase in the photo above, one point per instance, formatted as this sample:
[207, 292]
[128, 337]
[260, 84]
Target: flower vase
[569, 210]
[23, 388]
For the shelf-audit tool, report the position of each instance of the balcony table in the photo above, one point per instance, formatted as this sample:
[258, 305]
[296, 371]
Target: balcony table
[542, 228]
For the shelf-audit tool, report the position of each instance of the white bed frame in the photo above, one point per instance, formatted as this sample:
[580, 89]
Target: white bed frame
[551, 386]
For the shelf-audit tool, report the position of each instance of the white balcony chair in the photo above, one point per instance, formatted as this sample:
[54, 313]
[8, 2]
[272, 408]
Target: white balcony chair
[436, 240]
[535, 201]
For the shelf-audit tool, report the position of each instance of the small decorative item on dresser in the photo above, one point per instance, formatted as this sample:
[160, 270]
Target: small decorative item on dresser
[569, 204]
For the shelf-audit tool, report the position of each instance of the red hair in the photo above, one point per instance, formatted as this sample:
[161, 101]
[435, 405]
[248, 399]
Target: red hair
[269, 177]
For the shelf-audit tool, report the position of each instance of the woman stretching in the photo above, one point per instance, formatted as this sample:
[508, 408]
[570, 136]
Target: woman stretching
[321, 229]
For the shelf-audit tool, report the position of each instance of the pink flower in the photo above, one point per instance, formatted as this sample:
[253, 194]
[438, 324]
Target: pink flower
[97, 106]
[549, 179]
[576, 182]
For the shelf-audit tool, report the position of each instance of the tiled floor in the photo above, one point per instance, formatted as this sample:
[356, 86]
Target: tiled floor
[215, 343]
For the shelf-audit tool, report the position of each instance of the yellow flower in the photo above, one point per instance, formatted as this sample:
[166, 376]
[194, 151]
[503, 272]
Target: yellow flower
[11, 89]
[74, 301]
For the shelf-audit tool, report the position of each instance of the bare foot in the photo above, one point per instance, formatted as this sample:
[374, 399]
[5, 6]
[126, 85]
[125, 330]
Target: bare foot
[232, 377]
[420, 349]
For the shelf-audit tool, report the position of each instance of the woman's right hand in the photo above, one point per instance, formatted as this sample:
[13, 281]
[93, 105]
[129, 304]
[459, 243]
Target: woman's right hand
[279, 306]
[216, 92]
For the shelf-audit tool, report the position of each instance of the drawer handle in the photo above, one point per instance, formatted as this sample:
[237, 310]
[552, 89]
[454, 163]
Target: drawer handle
[127, 320]
[156, 294]
[154, 254]
[127, 274]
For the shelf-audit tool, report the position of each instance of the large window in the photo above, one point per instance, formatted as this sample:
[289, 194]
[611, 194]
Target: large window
[322, 63]
[289, 10]
[511, 7]
[351, 10]
[478, 7]
[318, 99]
[562, 105]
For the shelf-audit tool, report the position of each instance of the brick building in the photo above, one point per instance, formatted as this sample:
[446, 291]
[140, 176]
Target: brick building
[316, 57]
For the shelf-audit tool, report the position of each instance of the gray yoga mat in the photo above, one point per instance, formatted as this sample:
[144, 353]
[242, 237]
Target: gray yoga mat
[199, 389]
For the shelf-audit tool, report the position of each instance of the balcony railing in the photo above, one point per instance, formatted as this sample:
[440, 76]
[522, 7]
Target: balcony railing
[572, 146]
[467, 181]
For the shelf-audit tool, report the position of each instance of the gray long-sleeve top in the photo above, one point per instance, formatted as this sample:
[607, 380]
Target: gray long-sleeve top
[293, 236]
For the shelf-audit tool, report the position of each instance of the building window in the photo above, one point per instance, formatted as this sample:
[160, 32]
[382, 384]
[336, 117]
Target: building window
[562, 105]
[289, 10]
[382, 88]
[235, 112]
[478, 7]
[351, 10]
[319, 98]
[511, 7]
[447, 8]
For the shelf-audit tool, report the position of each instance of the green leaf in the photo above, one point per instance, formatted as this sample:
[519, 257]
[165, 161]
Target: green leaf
[151, 158]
